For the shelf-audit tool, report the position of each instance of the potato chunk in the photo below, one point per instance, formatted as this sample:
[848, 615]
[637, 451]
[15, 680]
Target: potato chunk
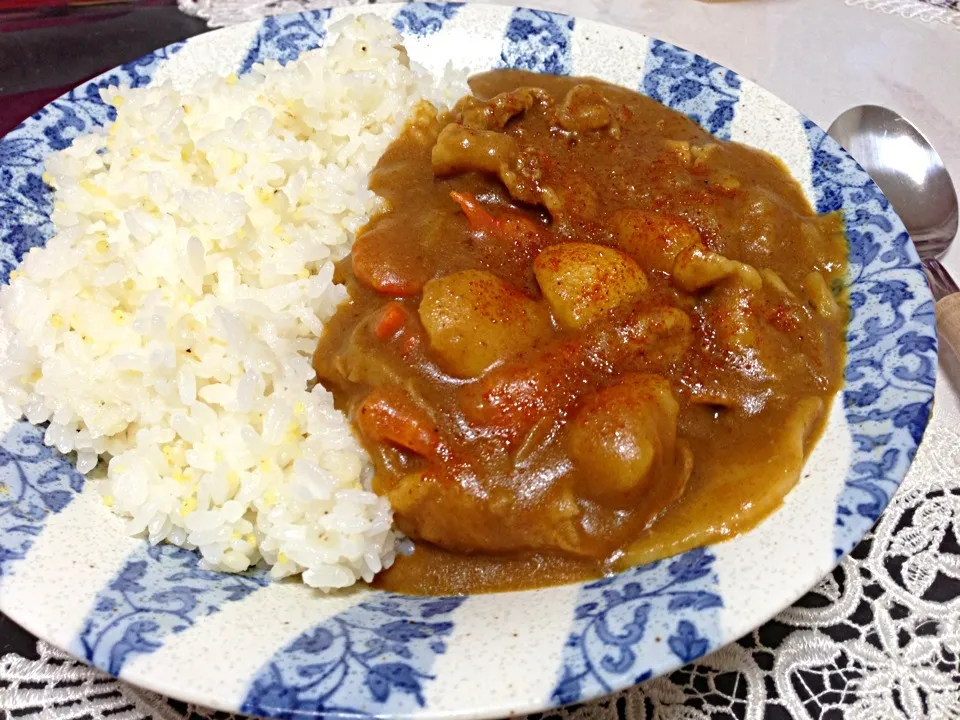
[474, 319]
[654, 239]
[581, 280]
[624, 441]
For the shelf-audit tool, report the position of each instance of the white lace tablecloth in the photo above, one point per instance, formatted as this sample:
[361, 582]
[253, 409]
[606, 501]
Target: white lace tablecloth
[947, 11]
[879, 639]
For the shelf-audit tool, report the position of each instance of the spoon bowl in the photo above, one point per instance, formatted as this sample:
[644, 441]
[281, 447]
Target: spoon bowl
[908, 170]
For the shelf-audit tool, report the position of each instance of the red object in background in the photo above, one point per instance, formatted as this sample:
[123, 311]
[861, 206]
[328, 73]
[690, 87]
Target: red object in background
[34, 4]
[32, 14]
[44, 4]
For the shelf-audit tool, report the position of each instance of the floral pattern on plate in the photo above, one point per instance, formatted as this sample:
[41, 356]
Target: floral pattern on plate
[159, 591]
[706, 92]
[424, 18]
[284, 37]
[35, 482]
[891, 342]
[374, 657]
[650, 616]
[538, 41]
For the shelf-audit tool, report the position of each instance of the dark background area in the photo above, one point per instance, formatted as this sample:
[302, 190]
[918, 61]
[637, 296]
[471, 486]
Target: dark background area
[47, 48]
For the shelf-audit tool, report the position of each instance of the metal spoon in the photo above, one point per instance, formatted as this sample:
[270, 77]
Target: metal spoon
[912, 176]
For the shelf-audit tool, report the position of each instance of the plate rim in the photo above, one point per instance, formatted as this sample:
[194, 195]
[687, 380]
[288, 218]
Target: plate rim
[387, 9]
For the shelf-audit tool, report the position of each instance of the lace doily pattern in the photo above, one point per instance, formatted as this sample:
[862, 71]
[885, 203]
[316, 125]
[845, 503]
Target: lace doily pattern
[945, 11]
[54, 685]
[221, 13]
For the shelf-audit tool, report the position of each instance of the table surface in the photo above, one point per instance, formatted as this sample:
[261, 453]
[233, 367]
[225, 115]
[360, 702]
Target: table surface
[821, 56]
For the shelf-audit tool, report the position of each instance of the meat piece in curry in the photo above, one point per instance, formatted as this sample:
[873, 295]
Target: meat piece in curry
[583, 333]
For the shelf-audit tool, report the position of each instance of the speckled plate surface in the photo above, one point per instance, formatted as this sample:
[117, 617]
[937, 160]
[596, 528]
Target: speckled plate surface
[150, 616]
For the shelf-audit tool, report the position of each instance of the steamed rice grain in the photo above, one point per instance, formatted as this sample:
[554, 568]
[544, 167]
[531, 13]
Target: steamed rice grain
[168, 326]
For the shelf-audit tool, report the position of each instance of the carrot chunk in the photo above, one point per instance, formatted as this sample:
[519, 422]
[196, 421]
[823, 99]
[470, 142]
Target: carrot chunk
[392, 318]
[389, 414]
[511, 227]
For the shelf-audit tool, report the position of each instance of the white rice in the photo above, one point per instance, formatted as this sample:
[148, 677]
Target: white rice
[168, 326]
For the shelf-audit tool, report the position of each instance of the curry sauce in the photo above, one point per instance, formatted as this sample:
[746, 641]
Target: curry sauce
[582, 334]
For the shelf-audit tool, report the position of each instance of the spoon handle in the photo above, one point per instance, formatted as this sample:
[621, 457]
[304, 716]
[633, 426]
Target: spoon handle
[946, 295]
[948, 321]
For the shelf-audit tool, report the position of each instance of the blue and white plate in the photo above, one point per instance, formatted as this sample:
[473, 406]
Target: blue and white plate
[150, 616]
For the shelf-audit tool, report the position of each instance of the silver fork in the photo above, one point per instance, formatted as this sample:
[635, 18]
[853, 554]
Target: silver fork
[941, 284]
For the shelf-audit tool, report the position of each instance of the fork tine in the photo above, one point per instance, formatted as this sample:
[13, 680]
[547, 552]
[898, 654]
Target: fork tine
[940, 281]
[931, 246]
